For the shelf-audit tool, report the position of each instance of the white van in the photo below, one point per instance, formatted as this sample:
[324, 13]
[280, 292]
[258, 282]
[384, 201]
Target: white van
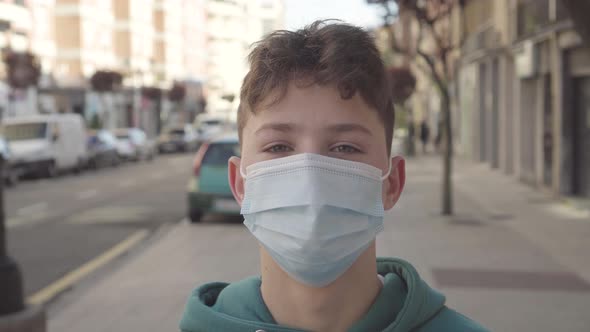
[47, 144]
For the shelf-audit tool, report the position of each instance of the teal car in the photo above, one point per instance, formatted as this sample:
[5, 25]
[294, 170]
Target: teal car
[208, 188]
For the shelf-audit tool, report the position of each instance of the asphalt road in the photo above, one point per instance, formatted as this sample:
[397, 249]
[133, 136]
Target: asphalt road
[56, 225]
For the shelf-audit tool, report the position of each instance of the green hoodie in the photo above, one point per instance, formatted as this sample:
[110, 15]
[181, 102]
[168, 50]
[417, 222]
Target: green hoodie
[405, 303]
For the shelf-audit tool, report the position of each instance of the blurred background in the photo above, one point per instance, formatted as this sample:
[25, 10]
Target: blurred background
[118, 117]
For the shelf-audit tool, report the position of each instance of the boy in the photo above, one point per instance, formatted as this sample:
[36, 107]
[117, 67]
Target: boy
[315, 177]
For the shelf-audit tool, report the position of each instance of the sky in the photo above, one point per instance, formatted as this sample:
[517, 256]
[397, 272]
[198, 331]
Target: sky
[299, 13]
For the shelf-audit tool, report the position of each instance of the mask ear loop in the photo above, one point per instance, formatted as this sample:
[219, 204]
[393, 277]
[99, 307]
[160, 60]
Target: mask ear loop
[383, 177]
[242, 172]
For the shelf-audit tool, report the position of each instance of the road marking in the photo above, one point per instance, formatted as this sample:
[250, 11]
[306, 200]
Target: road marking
[49, 292]
[26, 220]
[111, 214]
[87, 194]
[34, 208]
[127, 183]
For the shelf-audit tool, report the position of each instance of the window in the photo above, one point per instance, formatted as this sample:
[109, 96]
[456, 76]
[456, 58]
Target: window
[179, 132]
[25, 131]
[219, 153]
[212, 122]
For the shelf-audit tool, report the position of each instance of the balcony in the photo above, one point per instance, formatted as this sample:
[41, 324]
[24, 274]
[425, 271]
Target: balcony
[533, 16]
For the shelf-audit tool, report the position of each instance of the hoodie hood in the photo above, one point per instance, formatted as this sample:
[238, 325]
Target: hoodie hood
[239, 307]
[421, 304]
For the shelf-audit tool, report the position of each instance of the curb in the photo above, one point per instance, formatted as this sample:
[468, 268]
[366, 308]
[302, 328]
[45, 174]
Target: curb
[50, 292]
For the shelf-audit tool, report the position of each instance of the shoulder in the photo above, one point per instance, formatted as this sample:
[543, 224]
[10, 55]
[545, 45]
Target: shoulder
[451, 320]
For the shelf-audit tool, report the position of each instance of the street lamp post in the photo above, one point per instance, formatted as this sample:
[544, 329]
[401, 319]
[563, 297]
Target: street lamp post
[11, 289]
[15, 315]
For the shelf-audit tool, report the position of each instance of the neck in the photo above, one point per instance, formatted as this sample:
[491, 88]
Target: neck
[332, 308]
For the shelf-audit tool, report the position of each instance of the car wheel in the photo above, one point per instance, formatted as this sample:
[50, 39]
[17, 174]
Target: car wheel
[195, 216]
[12, 179]
[51, 170]
[92, 164]
[79, 167]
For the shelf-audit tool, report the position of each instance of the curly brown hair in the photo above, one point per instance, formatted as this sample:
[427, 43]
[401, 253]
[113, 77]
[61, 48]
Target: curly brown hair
[327, 52]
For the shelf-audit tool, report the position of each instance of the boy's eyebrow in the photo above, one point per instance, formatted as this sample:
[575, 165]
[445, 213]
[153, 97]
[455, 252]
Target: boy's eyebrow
[336, 128]
[347, 127]
[277, 126]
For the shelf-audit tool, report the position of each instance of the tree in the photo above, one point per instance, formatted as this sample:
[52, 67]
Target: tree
[154, 94]
[434, 19]
[151, 92]
[177, 92]
[95, 122]
[403, 84]
[23, 69]
[578, 11]
[103, 82]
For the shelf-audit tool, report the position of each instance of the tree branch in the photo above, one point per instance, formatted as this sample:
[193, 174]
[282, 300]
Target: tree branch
[433, 71]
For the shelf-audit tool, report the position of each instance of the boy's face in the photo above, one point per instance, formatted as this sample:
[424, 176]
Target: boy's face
[317, 120]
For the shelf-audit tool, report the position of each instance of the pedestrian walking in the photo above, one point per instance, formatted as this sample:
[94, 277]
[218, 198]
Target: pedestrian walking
[411, 137]
[424, 135]
[314, 180]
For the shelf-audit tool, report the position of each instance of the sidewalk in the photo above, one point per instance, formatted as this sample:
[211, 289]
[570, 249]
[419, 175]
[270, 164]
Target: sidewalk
[510, 258]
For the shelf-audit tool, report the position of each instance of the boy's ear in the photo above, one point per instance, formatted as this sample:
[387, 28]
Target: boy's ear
[236, 182]
[395, 182]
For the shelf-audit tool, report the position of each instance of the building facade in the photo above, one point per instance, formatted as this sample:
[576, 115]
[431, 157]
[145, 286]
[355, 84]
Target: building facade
[524, 94]
[233, 26]
[151, 43]
[84, 34]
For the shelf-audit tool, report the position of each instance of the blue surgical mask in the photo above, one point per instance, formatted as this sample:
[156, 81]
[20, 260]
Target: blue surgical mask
[314, 214]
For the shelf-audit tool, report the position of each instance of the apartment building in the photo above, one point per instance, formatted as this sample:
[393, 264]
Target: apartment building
[525, 94]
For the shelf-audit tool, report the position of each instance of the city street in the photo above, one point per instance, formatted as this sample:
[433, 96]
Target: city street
[511, 258]
[56, 225]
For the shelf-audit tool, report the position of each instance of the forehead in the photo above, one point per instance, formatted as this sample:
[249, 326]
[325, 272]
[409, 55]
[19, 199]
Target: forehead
[314, 107]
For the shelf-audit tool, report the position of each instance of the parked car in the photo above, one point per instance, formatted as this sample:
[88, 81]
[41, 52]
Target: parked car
[47, 144]
[178, 139]
[209, 126]
[208, 188]
[133, 144]
[102, 149]
[11, 173]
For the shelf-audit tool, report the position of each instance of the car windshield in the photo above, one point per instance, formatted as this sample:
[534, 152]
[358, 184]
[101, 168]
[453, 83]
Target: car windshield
[25, 131]
[176, 132]
[218, 153]
[211, 122]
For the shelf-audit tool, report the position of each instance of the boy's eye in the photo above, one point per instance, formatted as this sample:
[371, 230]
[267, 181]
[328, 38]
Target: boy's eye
[345, 149]
[278, 148]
